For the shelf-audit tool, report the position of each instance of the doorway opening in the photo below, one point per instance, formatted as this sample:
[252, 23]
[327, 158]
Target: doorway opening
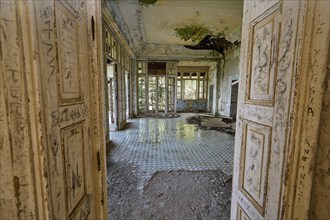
[127, 92]
[155, 157]
[233, 99]
[110, 96]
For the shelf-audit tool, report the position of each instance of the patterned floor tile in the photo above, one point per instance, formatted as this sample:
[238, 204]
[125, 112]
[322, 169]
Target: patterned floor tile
[171, 144]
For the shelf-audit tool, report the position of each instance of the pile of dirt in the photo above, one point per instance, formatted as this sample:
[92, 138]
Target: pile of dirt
[198, 120]
[168, 194]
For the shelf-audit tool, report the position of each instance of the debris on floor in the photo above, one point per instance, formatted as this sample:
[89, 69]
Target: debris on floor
[209, 122]
[160, 115]
[176, 194]
[169, 169]
[194, 120]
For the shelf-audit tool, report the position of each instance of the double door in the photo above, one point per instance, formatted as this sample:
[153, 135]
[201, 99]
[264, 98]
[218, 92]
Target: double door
[161, 94]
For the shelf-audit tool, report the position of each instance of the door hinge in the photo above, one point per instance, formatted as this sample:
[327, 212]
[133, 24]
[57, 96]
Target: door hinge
[93, 27]
[98, 158]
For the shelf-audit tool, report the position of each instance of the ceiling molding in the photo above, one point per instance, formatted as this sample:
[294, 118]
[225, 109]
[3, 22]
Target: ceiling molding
[176, 52]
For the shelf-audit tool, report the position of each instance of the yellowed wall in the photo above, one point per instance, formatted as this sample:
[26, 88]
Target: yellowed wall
[321, 182]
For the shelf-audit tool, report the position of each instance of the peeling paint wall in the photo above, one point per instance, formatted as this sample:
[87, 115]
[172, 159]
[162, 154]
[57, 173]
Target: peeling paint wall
[229, 73]
[213, 73]
[191, 106]
[320, 199]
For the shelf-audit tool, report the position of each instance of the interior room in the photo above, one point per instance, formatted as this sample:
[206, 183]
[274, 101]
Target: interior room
[164, 109]
[176, 84]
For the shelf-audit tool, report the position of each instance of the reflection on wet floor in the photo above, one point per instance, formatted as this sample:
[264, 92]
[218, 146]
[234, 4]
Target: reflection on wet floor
[152, 145]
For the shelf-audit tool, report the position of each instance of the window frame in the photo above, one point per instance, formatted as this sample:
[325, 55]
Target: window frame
[200, 75]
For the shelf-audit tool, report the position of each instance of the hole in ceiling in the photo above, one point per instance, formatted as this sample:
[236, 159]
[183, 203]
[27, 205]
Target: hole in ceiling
[193, 32]
[148, 2]
[210, 42]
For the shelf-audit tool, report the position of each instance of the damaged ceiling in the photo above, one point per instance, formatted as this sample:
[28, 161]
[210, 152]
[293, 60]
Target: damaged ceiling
[159, 29]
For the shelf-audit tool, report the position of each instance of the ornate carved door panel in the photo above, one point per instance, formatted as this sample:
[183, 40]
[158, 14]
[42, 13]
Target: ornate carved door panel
[272, 43]
[66, 77]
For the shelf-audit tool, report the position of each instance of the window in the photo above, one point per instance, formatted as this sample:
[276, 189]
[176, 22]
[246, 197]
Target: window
[178, 89]
[190, 89]
[141, 94]
[141, 87]
[156, 68]
[192, 83]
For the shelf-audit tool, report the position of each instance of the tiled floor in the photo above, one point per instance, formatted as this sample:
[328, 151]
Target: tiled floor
[153, 145]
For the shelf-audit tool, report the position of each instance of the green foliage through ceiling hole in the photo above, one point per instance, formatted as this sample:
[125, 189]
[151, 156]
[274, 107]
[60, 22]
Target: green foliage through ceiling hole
[194, 32]
[148, 2]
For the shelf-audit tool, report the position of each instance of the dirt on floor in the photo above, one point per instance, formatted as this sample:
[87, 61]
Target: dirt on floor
[160, 115]
[168, 194]
[208, 122]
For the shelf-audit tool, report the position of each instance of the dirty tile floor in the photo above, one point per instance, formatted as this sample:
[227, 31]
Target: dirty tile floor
[151, 145]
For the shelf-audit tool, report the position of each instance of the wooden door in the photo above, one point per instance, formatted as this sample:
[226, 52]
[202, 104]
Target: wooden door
[270, 181]
[68, 84]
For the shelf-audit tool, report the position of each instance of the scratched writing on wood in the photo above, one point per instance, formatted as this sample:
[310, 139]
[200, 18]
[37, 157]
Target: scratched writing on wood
[69, 114]
[47, 38]
[261, 61]
[309, 143]
[76, 5]
[94, 85]
[49, 64]
[262, 70]
[253, 163]
[74, 164]
[68, 55]
[15, 102]
[283, 81]
[248, 208]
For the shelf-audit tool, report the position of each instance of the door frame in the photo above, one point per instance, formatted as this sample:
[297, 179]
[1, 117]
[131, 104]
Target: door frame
[312, 69]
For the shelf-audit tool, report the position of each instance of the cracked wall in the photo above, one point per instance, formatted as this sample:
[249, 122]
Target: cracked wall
[228, 74]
